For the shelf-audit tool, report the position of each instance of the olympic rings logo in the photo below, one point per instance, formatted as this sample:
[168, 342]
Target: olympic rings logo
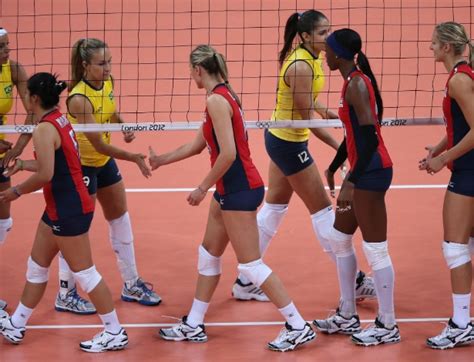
[263, 125]
[24, 129]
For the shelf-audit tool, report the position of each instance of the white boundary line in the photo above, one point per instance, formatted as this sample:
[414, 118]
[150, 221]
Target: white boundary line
[189, 189]
[217, 324]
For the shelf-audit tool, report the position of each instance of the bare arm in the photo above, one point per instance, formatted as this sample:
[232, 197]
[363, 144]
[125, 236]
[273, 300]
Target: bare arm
[81, 109]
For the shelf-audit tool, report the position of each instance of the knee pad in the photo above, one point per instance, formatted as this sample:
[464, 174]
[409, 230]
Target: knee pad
[456, 254]
[323, 222]
[208, 264]
[120, 230]
[256, 271]
[270, 216]
[88, 279]
[471, 244]
[377, 255]
[5, 227]
[35, 273]
[341, 244]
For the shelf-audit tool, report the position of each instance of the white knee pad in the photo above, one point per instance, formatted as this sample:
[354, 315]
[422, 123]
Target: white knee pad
[36, 273]
[5, 227]
[256, 271]
[270, 216]
[120, 230]
[208, 264]
[377, 254]
[341, 244]
[88, 279]
[323, 222]
[456, 254]
[471, 244]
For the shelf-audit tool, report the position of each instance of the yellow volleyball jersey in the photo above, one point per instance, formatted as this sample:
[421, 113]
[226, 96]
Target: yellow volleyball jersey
[6, 94]
[284, 109]
[103, 105]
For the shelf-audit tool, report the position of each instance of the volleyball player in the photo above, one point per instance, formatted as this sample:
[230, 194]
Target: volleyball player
[65, 223]
[232, 214]
[448, 45]
[292, 168]
[12, 74]
[361, 200]
[91, 101]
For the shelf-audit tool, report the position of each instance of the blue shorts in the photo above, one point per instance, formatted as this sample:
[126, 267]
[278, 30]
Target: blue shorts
[290, 157]
[248, 200]
[377, 180]
[69, 226]
[99, 177]
[462, 182]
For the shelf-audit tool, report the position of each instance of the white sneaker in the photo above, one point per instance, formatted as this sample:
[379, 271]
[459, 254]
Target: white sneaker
[365, 287]
[338, 324]
[290, 338]
[376, 334]
[3, 314]
[105, 341]
[452, 336]
[241, 291]
[140, 292]
[3, 304]
[11, 333]
[73, 303]
[184, 332]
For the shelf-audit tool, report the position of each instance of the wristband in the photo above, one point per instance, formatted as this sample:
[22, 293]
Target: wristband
[21, 164]
[15, 191]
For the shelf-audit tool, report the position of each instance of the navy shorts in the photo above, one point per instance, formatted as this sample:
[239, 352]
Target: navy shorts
[462, 182]
[377, 180]
[99, 177]
[69, 226]
[248, 200]
[290, 157]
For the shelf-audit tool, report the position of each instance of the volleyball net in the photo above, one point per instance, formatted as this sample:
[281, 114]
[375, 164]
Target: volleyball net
[150, 42]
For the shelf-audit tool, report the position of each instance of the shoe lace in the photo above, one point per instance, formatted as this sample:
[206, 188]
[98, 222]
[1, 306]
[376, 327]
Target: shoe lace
[146, 287]
[444, 333]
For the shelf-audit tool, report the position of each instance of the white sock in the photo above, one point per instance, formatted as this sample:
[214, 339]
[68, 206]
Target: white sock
[461, 309]
[66, 278]
[269, 219]
[384, 280]
[323, 222]
[347, 272]
[21, 315]
[471, 245]
[121, 238]
[292, 316]
[5, 227]
[111, 322]
[197, 313]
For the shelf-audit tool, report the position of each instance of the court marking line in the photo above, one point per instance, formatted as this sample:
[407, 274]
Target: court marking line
[217, 324]
[189, 189]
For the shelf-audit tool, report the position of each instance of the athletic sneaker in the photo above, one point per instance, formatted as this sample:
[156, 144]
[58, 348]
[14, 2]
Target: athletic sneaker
[452, 336]
[105, 341]
[3, 304]
[376, 334]
[141, 292]
[338, 324]
[73, 303]
[3, 314]
[290, 338]
[184, 332]
[241, 291]
[365, 287]
[11, 333]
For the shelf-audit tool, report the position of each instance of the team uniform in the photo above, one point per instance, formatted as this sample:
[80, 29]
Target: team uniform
[69, 207]
[378, 174]
[462, 176]
[99, 170]
[241, 187]
[288, 147]
[6, 103]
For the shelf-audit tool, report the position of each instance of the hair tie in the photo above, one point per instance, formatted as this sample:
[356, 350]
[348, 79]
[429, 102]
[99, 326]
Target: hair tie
[299, 15]
[3, 32]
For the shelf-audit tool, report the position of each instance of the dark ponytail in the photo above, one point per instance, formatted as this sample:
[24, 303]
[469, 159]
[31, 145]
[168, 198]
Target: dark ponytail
[47, 88]
[352, 43]
[298, 23]
[364, 66]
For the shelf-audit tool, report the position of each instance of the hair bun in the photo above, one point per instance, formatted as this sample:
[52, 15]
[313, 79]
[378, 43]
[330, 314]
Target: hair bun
[60, 86]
